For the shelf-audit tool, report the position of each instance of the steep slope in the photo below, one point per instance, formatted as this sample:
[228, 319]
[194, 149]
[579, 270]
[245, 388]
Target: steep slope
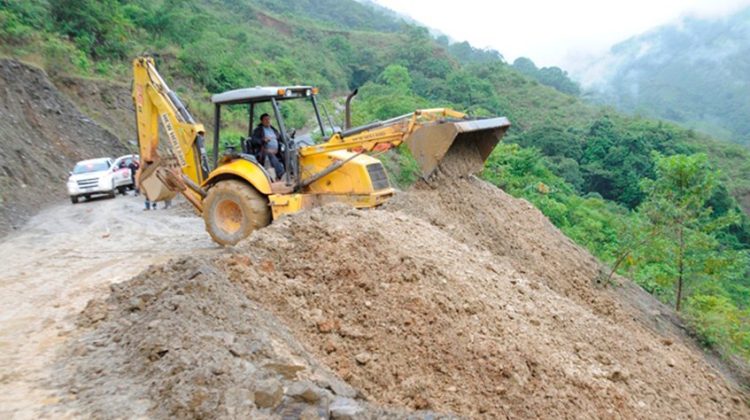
[337, 45]
[207, 46]
[44, 134]
[107, 102]
[695, 73]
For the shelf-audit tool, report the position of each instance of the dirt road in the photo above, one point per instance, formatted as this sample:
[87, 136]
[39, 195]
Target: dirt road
[65, 256]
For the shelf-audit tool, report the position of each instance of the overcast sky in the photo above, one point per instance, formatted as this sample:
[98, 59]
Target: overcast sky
[553, 33]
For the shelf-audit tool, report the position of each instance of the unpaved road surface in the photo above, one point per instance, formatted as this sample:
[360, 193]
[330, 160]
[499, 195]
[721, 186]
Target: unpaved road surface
[65, 256]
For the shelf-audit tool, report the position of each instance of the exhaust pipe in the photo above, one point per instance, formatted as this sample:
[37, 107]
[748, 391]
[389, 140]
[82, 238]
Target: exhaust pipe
[348, 109]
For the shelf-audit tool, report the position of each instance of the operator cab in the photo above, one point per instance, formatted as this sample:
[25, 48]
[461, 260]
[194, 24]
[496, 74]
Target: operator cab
[273, 95]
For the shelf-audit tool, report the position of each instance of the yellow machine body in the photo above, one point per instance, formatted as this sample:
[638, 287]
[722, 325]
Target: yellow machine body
[250, 172]
[360, 182]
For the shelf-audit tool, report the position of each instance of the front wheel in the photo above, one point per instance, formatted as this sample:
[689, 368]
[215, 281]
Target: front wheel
[113, 192]
[74, 199]
[233, 210]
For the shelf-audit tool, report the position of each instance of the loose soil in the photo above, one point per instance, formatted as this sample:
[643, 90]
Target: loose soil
[413, 318]
[455, 298]
[187, 343]
[107, 102]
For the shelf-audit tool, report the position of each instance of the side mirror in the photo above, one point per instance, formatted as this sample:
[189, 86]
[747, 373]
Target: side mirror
[293, 133]
[70, 173]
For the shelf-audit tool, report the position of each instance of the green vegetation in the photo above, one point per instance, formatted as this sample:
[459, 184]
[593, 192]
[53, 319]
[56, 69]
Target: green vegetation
[551, 76]
[614, 184]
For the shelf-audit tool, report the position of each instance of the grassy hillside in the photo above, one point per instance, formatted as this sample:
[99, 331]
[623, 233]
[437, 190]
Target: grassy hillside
[592, 171]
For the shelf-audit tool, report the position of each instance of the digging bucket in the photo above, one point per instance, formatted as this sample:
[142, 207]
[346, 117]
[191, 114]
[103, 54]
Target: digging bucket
[462, 146]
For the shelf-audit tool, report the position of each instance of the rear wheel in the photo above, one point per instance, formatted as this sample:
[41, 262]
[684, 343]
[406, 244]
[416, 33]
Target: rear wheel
[233, 210]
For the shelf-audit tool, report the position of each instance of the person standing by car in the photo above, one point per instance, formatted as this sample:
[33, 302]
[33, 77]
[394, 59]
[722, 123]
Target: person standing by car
[133, 165]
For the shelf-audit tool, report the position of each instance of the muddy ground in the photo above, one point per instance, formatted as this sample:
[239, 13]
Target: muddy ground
[65, 256]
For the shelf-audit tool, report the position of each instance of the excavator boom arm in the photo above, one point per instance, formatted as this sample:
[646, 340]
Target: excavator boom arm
[155, 103]
[390, 133]
[428, 133]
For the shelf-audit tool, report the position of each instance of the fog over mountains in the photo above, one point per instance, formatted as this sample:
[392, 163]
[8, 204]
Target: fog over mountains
[695, 72]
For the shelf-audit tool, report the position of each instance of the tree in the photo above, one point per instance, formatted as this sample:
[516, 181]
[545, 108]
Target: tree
[396, 77]
[98, 27]
[676, 209]
[551, 76]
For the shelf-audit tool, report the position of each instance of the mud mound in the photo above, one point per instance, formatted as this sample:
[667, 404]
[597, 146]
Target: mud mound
[43, 136]
[476, 213]
[479, 214]
[185, 342]
[414, 318]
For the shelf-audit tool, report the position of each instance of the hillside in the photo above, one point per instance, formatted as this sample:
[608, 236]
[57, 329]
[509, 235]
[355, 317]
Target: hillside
[695, 73]
[585, 167]
[44, 136]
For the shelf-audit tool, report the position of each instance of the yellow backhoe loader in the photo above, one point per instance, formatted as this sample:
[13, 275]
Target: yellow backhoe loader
[238, 194]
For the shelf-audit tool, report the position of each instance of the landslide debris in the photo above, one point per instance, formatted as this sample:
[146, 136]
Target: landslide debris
[476, 213]
[182, 341]
[413, 318]
[44, 134]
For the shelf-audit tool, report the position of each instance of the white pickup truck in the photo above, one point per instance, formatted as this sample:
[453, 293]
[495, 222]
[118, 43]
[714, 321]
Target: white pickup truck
[96, 177]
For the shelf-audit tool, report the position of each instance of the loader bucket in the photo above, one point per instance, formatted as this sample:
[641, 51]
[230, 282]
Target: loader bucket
[459, 147]
[151, 186]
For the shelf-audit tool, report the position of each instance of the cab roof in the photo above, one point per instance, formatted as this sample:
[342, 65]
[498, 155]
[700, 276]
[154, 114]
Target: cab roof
[262, 94]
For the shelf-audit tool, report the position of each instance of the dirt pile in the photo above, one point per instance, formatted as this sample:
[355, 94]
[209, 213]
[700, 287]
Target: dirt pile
[43, 136]
[413, 318]
[183, 341]
[476, 213]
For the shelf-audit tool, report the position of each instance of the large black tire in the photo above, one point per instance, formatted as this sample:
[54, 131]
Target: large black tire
[74, 199]
[233, 210]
